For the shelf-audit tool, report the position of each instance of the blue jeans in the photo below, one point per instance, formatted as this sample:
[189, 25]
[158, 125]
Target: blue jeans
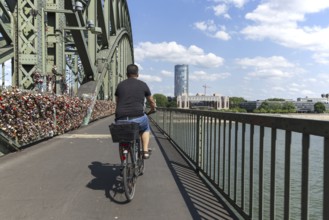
[142, 121]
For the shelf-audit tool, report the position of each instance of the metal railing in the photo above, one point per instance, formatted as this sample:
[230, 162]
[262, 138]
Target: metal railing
[266, 167]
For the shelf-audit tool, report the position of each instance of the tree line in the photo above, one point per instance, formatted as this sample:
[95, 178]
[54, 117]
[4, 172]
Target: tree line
[165, 101]
[273, 105]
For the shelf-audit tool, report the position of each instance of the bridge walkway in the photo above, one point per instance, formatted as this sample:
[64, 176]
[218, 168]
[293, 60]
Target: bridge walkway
[75, 176]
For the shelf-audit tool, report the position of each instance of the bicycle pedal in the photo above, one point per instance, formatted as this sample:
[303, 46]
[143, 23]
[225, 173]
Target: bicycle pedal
[119, 178]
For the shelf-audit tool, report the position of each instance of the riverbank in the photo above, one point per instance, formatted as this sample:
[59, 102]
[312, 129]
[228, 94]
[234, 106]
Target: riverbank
[312, 116]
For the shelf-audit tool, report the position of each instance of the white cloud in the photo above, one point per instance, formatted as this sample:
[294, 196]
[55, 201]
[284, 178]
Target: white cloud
[167, 73]
[223, 6]
[239, 3]
[139, 66]
[305, 6]
[323, 78]
[176, 53]
[220, 10]
[269, 14]
[313, 80]
[206, 26]
[268, 67]
[265, 62]
[278, 88]
[222, 35]
[284, 22]
[149, 78]
[322, 58]
[308, 93]
[202, 75]
[236, 3]
[210, 29]
[270, 73]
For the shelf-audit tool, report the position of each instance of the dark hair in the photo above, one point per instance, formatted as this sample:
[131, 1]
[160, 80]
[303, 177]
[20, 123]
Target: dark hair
[132, 69]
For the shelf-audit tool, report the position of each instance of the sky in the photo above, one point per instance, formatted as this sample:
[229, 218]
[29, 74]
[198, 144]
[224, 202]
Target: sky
[255, 49]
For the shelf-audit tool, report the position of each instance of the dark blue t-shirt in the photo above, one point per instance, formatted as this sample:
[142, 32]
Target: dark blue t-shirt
[131, 95]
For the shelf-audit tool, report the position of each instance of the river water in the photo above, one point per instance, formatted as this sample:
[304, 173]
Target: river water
[315, 172]
[315, 175]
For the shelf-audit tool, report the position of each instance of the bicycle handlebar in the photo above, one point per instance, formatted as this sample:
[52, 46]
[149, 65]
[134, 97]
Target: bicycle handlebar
[151, 112]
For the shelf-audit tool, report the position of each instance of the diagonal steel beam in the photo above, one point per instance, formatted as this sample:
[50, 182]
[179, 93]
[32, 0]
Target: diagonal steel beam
[73, 20]
[5, 33]
[6, 53]
[102, 23]
[4, 9]
[112, 20]
[11, 4]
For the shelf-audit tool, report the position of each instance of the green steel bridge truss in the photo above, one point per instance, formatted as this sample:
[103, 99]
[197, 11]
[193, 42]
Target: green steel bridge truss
[86, 44]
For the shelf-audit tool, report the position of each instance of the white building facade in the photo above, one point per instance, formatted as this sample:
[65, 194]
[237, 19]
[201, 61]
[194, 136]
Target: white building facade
[209, 102]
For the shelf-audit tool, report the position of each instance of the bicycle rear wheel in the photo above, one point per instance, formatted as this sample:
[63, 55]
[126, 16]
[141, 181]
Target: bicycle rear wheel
[141, 166]
[129, 178]
[140, 160]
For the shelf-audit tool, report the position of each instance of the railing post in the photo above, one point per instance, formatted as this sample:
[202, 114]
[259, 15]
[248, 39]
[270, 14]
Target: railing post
[199, 142]
[305, 176]
[163, 120]
[287, 171]
[170, 123]
[326, 179]
[199, 154]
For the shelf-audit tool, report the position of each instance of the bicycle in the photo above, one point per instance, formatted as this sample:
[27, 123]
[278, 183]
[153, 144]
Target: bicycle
[131, 154]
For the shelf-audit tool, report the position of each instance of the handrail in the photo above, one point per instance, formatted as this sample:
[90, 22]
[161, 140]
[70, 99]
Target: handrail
[263, 165]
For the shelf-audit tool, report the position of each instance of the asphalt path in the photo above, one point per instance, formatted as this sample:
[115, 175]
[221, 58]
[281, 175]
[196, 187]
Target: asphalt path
[76, 176]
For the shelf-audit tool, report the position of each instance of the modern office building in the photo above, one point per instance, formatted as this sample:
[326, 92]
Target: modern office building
[181, 79]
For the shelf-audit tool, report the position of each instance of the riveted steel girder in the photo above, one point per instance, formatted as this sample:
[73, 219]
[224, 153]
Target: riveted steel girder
[28, 30]
[6, 47]
[5, 25]
[11, 5]
[102, 24]
[86, 44]
[74, 20]
[111, 61]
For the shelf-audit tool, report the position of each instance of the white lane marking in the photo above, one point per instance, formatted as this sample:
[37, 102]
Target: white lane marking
[86, 136]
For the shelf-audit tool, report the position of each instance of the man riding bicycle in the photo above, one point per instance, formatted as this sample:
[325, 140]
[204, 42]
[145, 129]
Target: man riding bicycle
[130, 98]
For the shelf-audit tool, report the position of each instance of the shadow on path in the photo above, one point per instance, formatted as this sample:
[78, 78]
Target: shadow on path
[107, 178]
[201, 201]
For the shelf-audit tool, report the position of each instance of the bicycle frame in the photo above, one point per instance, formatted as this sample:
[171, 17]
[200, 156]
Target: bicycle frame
[132, 165]
[125, 148]
[131, 154]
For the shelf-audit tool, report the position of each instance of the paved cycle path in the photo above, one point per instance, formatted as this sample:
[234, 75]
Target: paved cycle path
[75, 176]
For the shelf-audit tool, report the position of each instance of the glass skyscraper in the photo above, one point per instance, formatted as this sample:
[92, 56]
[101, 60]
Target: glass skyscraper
[181, 79]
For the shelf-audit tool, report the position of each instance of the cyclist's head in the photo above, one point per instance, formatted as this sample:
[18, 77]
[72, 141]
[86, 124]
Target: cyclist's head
[132, 70]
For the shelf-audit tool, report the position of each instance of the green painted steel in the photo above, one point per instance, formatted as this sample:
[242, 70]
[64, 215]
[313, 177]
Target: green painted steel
[6, 39]
[75, 47]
